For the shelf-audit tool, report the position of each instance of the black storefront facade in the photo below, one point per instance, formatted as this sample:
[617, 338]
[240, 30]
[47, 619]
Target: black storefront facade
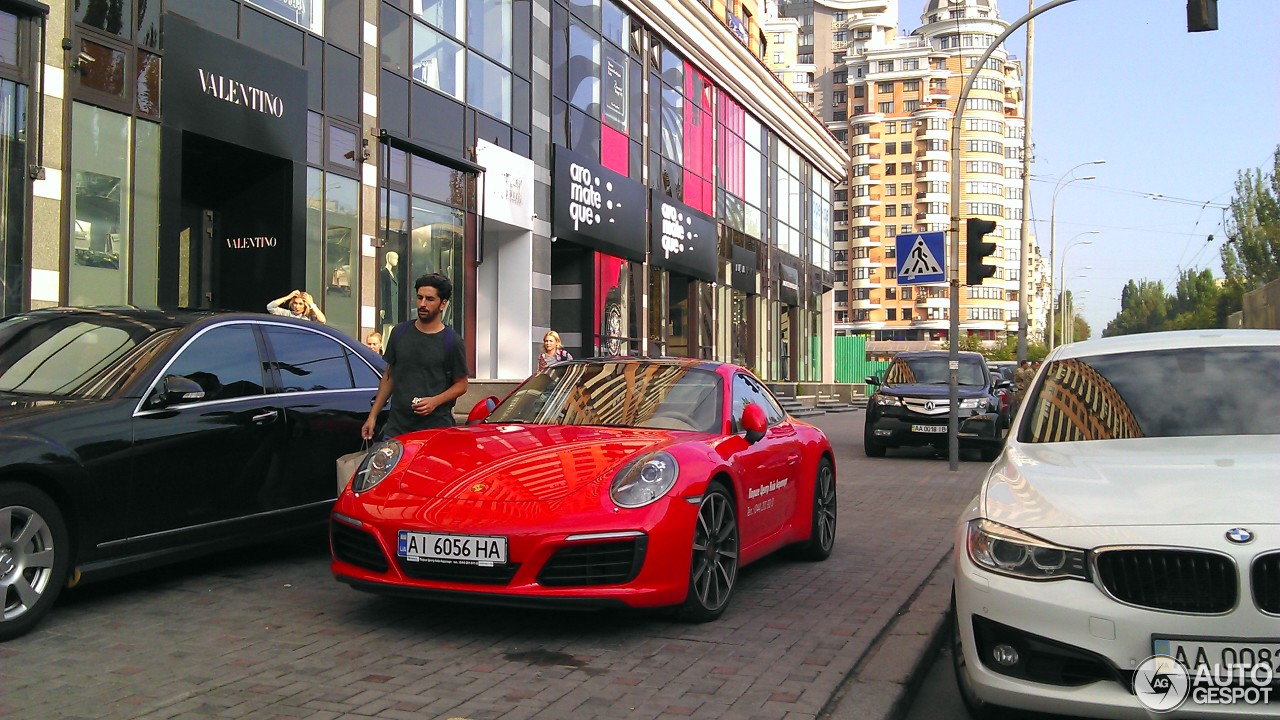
[233, 156]
[221, 153]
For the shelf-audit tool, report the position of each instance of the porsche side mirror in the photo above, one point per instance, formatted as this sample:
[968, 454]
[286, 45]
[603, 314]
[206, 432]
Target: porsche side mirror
[179, 389]
[482, 410]
[754, 422]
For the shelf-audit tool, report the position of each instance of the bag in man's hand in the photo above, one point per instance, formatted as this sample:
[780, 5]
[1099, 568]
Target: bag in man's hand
[348, 464]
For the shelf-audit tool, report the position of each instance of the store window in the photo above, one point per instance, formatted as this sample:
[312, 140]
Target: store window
[308, 14]
[100, 142]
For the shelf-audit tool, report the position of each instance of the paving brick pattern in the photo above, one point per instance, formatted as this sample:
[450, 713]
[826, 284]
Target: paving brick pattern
[270, 634]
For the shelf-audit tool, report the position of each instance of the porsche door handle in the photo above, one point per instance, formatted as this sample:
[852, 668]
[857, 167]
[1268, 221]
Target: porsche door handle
[266, 417]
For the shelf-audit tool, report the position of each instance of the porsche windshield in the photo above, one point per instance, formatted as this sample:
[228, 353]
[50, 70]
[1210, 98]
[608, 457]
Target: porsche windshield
[667, 395]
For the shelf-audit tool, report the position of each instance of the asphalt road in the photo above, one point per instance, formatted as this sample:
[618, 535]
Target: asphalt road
[268, 633]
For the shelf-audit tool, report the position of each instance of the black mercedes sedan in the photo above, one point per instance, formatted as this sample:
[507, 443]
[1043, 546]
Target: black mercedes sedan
[130, 438]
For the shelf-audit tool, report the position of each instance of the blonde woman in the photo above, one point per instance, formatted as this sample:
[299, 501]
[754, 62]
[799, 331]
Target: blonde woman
[299, 304]
[552, 350]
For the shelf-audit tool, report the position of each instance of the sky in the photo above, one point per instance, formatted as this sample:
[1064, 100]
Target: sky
[1175, 115]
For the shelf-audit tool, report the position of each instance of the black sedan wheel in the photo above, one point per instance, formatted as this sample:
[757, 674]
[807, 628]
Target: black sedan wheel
[34, 557]
[822, 531]
[715, 558]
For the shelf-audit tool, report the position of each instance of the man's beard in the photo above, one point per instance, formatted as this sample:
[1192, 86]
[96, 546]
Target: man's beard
[427, 316]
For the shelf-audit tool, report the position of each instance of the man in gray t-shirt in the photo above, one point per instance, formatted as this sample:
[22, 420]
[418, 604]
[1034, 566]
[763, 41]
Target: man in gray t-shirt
[426, 367]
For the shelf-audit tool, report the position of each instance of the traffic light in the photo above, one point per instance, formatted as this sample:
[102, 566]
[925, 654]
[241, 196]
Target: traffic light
[1202, 15]
[975, 270]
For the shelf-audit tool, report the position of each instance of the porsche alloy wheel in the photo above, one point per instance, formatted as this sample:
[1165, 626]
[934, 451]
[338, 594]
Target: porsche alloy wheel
[822, 531]
[34, 557]
[715, 558]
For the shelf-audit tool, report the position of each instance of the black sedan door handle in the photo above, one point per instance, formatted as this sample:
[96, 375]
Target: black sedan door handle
[268, 416]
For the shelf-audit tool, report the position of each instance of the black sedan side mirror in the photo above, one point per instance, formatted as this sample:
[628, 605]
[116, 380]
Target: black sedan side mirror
[179, 389]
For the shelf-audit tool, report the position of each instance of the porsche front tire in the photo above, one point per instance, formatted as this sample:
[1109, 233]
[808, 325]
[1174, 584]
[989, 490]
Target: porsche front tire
[714, 570]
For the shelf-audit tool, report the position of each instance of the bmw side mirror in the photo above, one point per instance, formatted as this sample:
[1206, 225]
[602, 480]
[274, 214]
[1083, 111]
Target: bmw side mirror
[482, 410]
[178, 389]
[754, 422]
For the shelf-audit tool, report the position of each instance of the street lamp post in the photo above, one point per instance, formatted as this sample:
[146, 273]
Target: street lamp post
[1080, 272]
[1062, 268]
[1053, 227]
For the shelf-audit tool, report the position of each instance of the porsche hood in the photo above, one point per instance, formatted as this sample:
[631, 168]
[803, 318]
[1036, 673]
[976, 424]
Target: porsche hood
[518, 463]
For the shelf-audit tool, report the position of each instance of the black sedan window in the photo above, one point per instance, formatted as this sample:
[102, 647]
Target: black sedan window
[224, 362]
[63, 355]
[307, 360]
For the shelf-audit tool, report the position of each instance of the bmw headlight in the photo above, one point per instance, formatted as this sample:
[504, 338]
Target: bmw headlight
[379, 463]
[888, 400]
[644, 480]
[974, 404]
[1007, 551]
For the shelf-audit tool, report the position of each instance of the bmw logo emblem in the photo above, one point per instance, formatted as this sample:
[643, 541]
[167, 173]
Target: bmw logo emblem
[1239, 535]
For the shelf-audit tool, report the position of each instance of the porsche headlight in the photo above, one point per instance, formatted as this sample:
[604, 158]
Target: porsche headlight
[379, 463]
[1012, 552]
[644, 480]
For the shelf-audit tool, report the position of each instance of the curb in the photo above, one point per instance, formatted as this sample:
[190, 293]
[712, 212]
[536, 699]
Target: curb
[887, 676]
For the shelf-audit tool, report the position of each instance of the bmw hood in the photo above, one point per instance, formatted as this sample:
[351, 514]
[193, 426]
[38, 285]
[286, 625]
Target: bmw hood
[518, 463]
[1149, 482]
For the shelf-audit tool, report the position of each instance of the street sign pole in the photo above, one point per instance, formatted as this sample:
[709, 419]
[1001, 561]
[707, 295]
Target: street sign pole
[953, 334]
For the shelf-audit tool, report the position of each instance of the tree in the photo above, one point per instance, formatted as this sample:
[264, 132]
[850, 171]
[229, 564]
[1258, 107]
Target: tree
[1251, 255]
[1143, 308]
[1195, 304]
[1080, 328]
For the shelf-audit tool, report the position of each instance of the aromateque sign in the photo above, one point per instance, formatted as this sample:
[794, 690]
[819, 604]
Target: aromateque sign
[789, 284]
[742, 272]
[224, 89]
[681, 239]
[597, 207]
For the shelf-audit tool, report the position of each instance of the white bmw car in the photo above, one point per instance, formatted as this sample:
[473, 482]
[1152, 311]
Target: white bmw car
[1122, 558]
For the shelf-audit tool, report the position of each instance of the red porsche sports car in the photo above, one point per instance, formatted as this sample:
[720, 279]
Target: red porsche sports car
[617, 482]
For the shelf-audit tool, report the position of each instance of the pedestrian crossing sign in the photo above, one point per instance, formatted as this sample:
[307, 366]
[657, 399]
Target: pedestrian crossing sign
[921, 258]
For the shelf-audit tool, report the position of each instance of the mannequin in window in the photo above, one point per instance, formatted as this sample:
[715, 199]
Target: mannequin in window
[389, 287]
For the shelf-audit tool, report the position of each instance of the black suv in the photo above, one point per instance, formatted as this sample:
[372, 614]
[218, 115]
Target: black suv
[911, 404]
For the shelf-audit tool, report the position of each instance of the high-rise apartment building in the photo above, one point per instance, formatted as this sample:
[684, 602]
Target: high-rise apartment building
[890, 98]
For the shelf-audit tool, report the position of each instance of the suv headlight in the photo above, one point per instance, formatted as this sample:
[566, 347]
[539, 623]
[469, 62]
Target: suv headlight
[378, 464]
[888, 400]
[1007, 551]
[644, 480]
[974, 404]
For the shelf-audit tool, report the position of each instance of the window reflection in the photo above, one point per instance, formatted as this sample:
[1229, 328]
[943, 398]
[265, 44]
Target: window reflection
[437, 61]
[113, 16]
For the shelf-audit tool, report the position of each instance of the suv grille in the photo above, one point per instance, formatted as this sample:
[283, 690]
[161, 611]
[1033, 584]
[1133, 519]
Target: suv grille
[611, 563]
[1266, 583]
[1186, 581]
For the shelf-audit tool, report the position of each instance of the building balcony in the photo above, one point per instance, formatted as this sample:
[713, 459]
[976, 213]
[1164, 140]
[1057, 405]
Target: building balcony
[872, 199]
[871, 135]
[866, 221]
[943, 155]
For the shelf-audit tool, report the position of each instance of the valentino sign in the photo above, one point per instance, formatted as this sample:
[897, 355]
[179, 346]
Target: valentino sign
[237, 93]
[251, 243]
